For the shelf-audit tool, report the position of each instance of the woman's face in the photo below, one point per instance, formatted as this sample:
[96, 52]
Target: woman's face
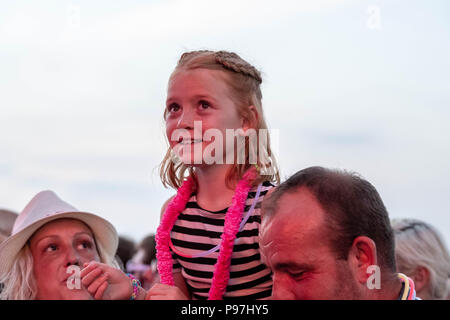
[56, 246]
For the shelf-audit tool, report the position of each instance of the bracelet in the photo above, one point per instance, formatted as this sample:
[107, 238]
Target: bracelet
[135, 283]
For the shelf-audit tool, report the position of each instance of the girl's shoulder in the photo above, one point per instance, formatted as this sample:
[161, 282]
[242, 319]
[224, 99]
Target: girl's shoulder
[267, 188]
[164, 206]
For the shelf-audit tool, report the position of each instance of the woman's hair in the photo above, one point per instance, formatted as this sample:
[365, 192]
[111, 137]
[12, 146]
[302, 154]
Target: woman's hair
[244, 81]
[419, 244]
[19, 282]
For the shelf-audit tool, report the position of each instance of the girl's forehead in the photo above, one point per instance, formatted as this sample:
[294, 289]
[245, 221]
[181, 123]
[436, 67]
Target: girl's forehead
[201, 78]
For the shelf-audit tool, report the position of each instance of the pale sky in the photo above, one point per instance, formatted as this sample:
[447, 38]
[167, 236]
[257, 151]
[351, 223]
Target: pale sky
[357, 85]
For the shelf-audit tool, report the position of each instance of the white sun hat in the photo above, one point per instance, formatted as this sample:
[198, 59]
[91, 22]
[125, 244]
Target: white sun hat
[46, 206]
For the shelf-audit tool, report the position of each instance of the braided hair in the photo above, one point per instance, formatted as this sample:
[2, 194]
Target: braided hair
[229, 60]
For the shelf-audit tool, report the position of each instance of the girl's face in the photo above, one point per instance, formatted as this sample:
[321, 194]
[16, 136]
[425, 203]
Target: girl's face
[199, 101]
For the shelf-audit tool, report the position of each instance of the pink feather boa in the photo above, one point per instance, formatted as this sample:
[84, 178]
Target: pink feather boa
[232, 220]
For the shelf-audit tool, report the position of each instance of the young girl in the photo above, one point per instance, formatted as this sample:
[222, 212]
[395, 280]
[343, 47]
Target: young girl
[207, 241]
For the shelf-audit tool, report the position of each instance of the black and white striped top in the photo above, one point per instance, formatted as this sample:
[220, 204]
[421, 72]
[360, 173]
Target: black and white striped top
[197, 230]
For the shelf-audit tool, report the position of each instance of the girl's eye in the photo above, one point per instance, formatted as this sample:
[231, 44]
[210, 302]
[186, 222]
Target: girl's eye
[173, 108]
[204, 104]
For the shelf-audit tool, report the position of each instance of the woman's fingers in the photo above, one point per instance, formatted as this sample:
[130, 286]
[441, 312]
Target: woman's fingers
[87, 278]
[96, 284]
[101, 290]
[88, 267]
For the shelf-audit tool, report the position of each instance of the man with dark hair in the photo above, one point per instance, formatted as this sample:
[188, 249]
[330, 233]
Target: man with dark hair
[326, 234]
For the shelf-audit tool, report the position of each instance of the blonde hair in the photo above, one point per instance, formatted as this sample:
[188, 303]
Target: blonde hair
[244, 82]
[19, 283]
[420, 244]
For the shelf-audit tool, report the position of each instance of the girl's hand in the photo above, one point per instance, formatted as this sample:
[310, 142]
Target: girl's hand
[106, 282]
[165, 292]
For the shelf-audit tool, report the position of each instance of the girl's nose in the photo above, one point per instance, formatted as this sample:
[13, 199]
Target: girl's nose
[186, 120]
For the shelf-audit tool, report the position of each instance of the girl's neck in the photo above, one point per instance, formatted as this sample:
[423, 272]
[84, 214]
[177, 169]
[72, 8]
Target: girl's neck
[212, 191]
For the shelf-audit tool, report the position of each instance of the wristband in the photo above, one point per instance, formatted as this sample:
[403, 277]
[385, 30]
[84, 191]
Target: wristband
[135, 283]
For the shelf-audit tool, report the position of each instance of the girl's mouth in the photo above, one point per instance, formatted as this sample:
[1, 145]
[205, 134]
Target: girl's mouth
[189, 141]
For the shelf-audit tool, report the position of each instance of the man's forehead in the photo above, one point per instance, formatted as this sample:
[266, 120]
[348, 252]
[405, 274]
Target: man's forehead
[298, 220]
[297, 205]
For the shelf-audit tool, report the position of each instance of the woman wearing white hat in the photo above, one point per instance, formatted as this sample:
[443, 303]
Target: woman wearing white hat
[50, 240]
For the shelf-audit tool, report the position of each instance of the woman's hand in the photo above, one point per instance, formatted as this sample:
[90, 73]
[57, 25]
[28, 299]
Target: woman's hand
[106, 282]
[165, 292]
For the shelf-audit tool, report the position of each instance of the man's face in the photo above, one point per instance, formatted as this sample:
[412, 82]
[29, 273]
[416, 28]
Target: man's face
[56, 246]
[294, 244]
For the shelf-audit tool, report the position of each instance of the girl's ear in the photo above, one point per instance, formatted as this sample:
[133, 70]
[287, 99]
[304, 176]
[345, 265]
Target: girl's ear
[251, 121]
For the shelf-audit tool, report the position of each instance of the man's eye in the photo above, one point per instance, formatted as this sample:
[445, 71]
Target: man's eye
[296, 275]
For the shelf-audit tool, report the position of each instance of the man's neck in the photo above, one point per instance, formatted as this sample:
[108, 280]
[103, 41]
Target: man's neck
[390, 289]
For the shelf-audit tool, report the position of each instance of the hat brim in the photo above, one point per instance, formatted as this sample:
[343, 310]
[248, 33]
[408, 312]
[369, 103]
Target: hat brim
[104, 232]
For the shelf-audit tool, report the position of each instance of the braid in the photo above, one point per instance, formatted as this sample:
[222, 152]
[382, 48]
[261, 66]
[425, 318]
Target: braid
[232, 61]
[228, 60]
[190, 54]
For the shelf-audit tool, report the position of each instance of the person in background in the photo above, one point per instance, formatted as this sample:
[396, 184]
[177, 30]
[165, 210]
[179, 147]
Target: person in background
[422, 254]
[143, 263]
[7, 219]
[448, 289]
[125, 251]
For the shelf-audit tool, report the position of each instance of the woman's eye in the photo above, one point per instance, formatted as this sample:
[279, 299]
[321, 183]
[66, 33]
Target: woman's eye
[85, 245]
[51, 248]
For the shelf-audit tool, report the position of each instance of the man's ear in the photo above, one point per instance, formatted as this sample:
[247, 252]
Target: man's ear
[421, 278]
[252, 120]
[362, 255]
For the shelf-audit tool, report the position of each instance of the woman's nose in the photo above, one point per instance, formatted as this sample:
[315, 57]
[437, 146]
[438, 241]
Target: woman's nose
[72, 258]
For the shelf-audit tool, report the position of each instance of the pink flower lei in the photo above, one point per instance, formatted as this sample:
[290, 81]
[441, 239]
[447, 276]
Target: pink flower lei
[232, 220]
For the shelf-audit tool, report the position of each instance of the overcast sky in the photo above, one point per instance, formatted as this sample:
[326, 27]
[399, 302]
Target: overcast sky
[358, 85]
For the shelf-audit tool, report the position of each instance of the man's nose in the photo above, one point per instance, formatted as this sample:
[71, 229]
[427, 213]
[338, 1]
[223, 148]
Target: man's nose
[281, 288]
